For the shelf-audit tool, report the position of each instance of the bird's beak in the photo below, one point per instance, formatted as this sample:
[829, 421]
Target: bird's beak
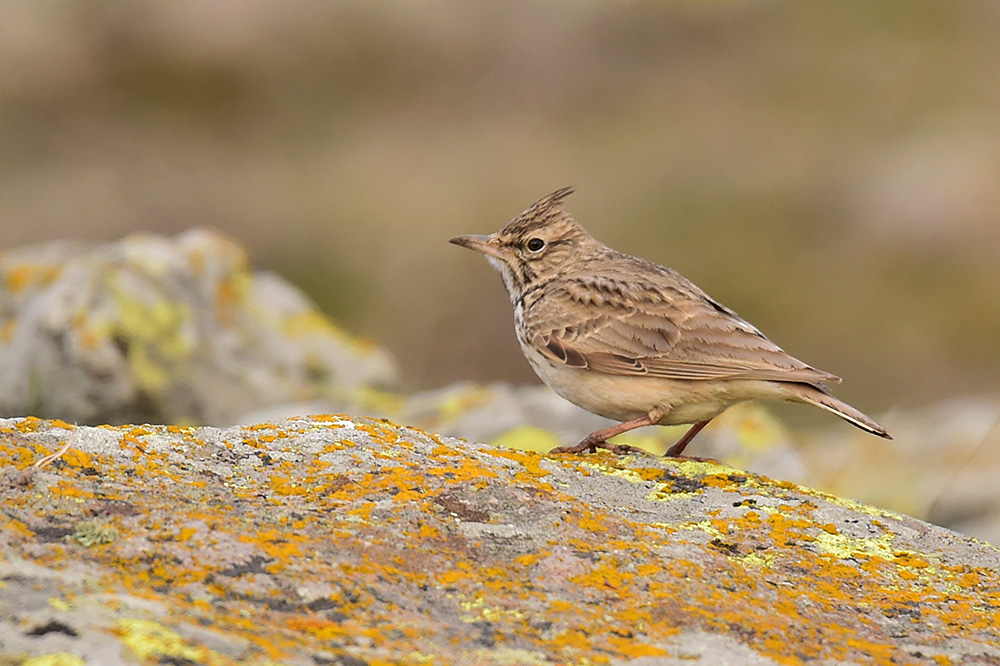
[479, 244]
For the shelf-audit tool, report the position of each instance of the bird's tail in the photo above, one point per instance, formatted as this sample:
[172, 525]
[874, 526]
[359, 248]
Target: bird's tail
[814, 396]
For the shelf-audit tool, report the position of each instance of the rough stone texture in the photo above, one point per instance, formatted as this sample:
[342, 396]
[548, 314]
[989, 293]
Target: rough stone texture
[941, 467]
[534, 418]
[167, 330]
[352, 541]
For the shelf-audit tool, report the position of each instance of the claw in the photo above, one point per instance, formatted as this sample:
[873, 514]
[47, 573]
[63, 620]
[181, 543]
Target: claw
[591, 447]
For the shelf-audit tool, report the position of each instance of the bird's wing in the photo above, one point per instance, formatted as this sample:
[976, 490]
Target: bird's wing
[663, 327]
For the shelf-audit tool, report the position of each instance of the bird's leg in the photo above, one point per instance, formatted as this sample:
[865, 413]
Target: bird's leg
[678, 446]
[599, 438]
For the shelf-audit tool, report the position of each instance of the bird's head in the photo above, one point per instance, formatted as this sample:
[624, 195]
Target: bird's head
[535, 246]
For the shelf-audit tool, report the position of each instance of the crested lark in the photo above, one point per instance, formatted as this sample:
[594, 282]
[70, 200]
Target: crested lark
[633, 341]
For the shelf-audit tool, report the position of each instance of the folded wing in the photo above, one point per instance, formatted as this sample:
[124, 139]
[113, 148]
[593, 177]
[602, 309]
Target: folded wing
[639, 327]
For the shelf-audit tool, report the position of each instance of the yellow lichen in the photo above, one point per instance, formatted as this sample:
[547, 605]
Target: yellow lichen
[149, 640]
[843, 547]
[635, 588]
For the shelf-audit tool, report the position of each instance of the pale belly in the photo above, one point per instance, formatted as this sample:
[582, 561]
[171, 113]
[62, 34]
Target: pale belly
[622, 397]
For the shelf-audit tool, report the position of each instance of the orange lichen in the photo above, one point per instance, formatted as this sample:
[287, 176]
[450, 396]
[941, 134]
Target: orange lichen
[8, 329]
[20, 277]
[63, 488]
[17, 526]
[629, 647]
[451, 577]
[77, 458]
[289, 555]
[287, 486]
[908, 559]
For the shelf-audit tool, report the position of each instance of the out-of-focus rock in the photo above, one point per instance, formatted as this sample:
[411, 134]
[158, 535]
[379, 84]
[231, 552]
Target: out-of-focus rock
[942, 465]
[166, 330]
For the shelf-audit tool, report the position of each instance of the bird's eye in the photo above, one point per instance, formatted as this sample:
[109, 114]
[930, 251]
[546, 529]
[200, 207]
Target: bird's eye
[536, 244]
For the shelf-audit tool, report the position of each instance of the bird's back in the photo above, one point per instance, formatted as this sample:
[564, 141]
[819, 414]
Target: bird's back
[626, 315]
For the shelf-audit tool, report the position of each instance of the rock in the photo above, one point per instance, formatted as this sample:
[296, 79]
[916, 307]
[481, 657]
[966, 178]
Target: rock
[534, 418]
[167, 330]
[940, 467]
[355, 541]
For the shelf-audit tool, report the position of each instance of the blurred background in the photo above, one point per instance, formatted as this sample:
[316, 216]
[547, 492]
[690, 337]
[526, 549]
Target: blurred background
[829, 171]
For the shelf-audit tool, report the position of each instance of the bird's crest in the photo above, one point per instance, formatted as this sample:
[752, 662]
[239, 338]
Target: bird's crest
[543, 212]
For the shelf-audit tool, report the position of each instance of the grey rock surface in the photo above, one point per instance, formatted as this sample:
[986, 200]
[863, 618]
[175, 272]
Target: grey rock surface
[940, 467]
[344, 540]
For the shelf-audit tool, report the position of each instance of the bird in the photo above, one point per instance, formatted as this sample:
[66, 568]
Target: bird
[634, 341]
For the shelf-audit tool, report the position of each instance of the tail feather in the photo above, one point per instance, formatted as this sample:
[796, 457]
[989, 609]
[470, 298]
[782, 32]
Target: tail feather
[814, 396]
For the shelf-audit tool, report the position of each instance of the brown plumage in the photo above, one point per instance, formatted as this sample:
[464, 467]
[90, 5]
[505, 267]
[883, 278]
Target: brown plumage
[634, 341]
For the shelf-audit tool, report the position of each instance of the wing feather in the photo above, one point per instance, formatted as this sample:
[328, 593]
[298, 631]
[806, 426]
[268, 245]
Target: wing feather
[664, 327]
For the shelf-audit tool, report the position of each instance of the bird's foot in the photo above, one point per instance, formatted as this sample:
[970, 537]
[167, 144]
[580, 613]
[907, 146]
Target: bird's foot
[592, 446]
[599, 438]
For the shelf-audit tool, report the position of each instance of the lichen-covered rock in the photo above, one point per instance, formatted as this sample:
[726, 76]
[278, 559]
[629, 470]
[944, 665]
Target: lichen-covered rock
[941, 467]
[167, 330]
[534, 418]
[351, 541]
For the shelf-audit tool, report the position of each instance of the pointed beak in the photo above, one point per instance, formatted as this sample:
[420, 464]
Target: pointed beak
[479, 244]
